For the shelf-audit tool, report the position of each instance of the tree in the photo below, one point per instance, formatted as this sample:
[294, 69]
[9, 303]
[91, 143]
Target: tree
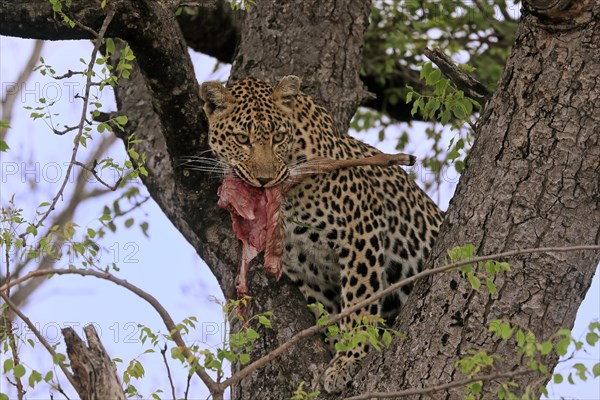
[531, 178]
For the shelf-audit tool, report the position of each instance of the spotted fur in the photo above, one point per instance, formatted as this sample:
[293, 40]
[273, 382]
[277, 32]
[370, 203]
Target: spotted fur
[348, 233]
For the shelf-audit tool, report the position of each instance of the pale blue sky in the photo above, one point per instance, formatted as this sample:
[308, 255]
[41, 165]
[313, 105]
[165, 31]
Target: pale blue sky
[164, 264]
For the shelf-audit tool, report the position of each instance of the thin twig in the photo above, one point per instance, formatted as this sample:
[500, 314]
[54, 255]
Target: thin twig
[164, 352]
[158, 307]
[7, 325]
[238, 376]
[187, 387]
[439, 388]
[86, 98]
[37, 334]
[66, 214]
[69, 74]
[66, 130]
[61, 391]
[100, 180]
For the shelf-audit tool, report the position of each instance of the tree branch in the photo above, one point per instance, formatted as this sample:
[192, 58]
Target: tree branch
[238, 376]
[82, 121]
[439, 388]
[382, 293]
[43, 23]
[464, 81]
[158, 307]
[8, 101]
[213, 30]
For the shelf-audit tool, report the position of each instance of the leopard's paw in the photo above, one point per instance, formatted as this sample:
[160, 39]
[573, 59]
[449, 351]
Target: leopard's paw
[340, 372]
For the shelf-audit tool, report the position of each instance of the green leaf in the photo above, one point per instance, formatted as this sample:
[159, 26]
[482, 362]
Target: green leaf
[596, 370]
[8, 365]
[491, 286]
[474, 281]
[445, 117]
[386, 338]
[34, 378]
[426, 70]
[58, 358]
[128, 222]
[491, 267]
[264, 321]
[252, 334]
[19, 371]
[546, 348]
[476, 387]
[48, 377]
[122, 119]
[505, 331]
[458, 111]
[110, 43]
[415, 107]
[144, 227]
[105, 217]
[433, 77]
[581, 371]
[133, 154]
[244, 358]
[3, 146]
[591, 338]
[562, 346]
[558, 379]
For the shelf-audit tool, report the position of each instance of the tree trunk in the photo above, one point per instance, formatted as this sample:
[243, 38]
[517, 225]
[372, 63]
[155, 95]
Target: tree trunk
[532, 180]
[321, 42]
[532, 176]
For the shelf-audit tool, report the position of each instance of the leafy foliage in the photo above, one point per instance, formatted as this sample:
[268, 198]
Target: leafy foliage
[480, 32]
[477, 33]
[474, 274]
[300, 394]
[535, 353]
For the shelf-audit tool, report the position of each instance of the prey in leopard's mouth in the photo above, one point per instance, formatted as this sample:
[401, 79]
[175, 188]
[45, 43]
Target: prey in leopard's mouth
[256, 212]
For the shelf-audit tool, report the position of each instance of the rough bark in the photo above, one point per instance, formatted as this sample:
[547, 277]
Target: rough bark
[533, 180]
[274, 43]
[92, 367]
[532, 177]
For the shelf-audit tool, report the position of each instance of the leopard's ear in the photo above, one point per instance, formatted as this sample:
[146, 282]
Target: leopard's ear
[217, 99]
[286, 91]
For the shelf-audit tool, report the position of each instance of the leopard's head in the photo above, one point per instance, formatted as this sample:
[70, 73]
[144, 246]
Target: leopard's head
[251, 127]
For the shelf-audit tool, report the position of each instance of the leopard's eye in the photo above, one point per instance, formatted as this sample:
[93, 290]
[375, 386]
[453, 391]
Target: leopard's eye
[278, 138]
[242, 138]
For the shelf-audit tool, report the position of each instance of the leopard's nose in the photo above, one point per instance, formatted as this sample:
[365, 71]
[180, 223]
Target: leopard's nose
[263, 181]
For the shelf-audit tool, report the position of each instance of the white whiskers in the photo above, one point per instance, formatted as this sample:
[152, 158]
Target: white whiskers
[210, 165]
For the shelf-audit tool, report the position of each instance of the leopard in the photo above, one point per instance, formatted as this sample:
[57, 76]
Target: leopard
[349, 233]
